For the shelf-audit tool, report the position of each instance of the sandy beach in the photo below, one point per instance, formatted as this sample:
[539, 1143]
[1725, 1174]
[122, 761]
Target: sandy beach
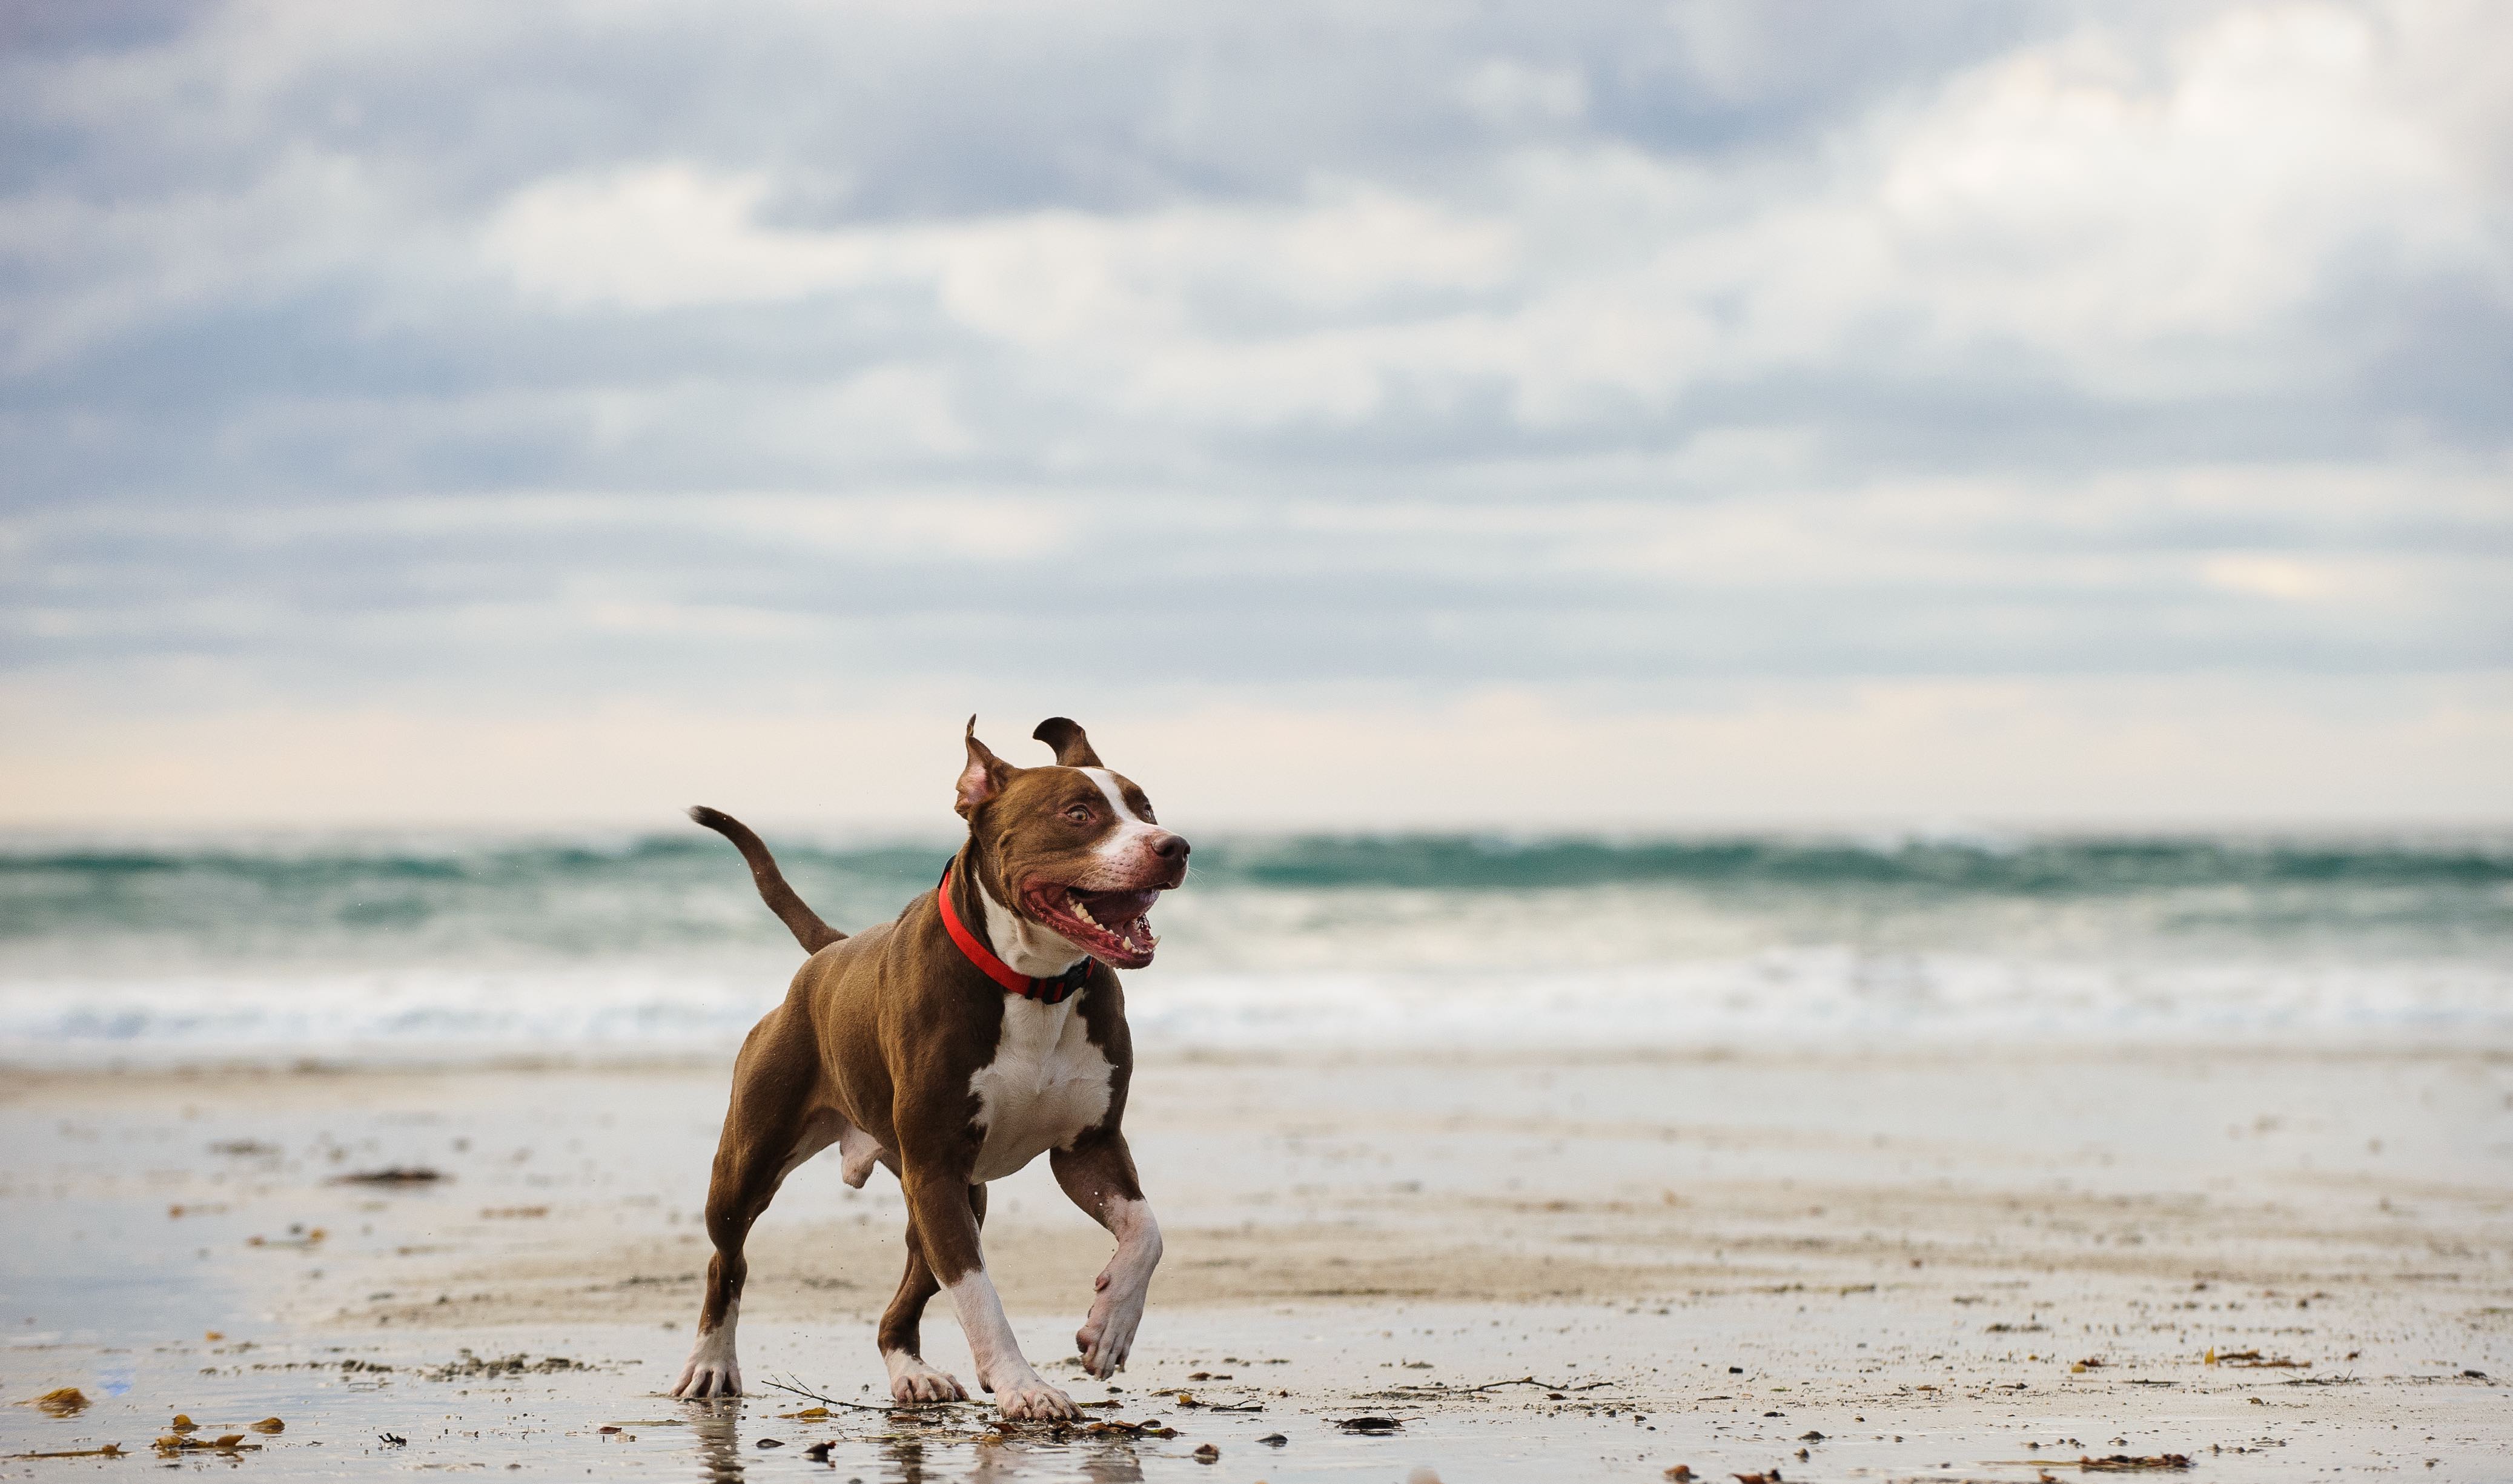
[1810, 704]
[1918, 1263]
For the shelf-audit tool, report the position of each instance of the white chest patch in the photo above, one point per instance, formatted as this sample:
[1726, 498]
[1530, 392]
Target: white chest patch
[1046, 1084]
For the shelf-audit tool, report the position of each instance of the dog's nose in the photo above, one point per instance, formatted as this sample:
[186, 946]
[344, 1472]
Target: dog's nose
[1170, 847]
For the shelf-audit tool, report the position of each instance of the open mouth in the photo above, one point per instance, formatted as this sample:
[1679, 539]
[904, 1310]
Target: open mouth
[1112, 927]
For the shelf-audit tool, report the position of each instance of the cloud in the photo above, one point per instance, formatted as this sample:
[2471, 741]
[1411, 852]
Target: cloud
[2121, 237]
[2120, 576]
[406, 356]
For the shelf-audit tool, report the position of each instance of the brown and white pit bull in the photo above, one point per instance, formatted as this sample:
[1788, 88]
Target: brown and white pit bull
[955, 1044]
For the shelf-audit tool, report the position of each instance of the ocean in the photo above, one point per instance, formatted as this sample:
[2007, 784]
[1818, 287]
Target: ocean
[283, 950]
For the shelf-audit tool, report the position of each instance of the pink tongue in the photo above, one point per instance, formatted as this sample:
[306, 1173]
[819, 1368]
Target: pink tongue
[1117, 909]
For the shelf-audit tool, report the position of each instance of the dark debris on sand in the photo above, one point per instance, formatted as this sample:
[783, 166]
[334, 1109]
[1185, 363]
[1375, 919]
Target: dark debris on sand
[392, 1175]
[960, 1421]
[472, 1367]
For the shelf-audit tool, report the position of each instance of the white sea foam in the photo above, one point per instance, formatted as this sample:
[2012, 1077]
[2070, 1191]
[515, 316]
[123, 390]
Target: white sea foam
[660, 949]
[1791, 998]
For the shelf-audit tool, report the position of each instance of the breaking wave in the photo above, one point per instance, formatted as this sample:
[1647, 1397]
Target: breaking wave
[453, 949]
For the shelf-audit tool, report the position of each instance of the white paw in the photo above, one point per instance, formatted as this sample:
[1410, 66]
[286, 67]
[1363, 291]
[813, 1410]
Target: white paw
[708, 1376]
[1035, 1400]
[1108, 1333]
[911, 1380]
[712, 1369]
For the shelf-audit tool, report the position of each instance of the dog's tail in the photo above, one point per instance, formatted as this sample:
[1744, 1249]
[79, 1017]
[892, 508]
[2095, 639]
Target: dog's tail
[800, 920]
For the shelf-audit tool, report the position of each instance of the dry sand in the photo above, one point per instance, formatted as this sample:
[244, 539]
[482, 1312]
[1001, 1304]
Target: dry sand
[1947, 1265]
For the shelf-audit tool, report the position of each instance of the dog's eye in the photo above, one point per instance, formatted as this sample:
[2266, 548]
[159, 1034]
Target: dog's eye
[1079, 814]
[1143, 811]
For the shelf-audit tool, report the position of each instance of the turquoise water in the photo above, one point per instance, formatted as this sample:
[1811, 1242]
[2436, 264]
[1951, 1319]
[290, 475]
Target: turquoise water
[451, 947]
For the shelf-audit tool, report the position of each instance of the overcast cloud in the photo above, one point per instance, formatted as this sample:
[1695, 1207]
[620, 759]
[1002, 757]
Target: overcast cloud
[1775, 410]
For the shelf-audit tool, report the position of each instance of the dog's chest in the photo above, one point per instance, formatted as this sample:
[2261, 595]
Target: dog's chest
[1046, 1084]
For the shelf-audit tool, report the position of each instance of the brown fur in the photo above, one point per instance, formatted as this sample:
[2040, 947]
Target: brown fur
[884, 1030]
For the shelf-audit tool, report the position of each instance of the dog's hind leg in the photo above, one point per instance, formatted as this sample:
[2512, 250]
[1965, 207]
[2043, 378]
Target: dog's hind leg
[911, 1380]
[768, 1128]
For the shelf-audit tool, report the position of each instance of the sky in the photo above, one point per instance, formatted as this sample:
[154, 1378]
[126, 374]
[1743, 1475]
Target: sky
[1942, 413]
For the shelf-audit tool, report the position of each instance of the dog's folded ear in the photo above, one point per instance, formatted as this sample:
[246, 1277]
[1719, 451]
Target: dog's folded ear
[983, 778]
[1072, 747]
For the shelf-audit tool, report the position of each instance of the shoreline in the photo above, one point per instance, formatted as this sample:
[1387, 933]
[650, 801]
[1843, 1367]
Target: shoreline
[1853, 1049]
[1909, 1251]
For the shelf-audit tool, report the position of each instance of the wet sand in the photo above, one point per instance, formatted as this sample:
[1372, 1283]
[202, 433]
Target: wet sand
[1947, 1265]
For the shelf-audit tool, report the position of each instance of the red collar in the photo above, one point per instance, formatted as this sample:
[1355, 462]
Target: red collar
[1052, 991]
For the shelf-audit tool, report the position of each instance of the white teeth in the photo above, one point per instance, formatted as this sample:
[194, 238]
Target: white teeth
[1084, 912]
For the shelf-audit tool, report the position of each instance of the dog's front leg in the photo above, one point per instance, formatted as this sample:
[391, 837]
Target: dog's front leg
[949, 1229]
[1099, 1174]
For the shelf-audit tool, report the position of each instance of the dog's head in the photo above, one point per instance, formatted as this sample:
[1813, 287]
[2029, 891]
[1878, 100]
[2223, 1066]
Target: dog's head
[1073, 848]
